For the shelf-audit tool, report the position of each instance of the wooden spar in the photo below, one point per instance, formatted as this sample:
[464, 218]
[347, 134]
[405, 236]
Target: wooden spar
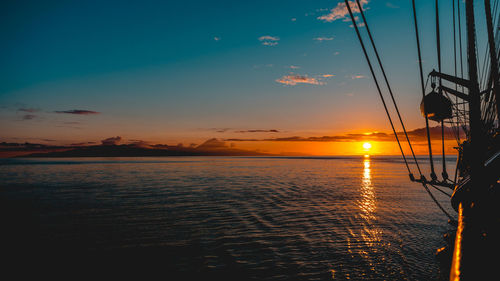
[493, 56]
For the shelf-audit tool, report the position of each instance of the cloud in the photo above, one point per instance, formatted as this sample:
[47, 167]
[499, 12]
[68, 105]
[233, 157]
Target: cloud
[417, 135]
[295, 79]
[268, 40]
[357, 77]
[29, 116]
[420, 134]
[392, 6]
[341, 12]
[111, 141]
[269, 43]
[216, 38]
[140, 143]
[293, 19]
[356, 18]
[258, 131]
[83, 143]
[321, 39]
[78, 112]
[218, 130]
[361, 24]
[294, 67]
[30, 110]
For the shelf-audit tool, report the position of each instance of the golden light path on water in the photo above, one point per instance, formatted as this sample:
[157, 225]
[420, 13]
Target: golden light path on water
[368, 236]
[368, 203]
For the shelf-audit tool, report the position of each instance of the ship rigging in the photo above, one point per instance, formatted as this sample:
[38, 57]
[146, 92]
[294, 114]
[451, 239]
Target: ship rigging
[468, 102]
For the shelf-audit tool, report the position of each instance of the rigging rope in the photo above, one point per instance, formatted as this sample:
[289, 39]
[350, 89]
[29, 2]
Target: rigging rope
[385, 105]
[461, 58]
[376, 83]
[433, 174]
[438, 47]
[457, 130]
[388, 85]
[437, 202]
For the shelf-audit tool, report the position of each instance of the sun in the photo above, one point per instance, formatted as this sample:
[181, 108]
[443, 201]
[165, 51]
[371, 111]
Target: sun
[367, 145]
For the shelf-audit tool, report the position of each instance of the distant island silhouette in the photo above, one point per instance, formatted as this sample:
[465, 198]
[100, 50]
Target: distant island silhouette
[111, 148]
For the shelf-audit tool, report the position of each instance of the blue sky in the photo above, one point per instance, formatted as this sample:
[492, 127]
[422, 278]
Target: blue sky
[166, 71]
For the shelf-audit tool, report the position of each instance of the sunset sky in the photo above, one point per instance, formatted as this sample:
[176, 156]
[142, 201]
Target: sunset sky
[278, 76]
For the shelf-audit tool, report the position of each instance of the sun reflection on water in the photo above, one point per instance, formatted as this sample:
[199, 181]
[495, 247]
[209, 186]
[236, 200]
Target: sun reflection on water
[369, 233]
[367, 203]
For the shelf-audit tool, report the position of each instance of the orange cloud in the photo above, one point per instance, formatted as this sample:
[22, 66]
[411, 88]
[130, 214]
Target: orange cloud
[340, 11]
[295, 79]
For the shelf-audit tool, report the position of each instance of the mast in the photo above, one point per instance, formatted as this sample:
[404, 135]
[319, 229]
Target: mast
[474, 98]
[493, 56]
[469, 251]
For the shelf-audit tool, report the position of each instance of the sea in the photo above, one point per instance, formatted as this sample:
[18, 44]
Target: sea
[235, 218]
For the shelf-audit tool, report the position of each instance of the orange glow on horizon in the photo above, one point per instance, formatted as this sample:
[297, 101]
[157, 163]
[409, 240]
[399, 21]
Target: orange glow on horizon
[343, 148]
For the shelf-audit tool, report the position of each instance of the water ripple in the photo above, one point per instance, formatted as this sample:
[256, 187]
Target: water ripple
[262, 218]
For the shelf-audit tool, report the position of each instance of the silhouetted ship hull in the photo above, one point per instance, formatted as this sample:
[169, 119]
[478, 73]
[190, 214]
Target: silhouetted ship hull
[469, 102]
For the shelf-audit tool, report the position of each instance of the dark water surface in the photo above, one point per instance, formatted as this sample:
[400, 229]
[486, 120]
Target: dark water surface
[237, 217]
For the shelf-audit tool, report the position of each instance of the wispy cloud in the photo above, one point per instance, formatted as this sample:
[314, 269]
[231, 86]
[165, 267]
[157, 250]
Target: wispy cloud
[327, 75]
[78, 112]
[229, 130]
[222, 130]
[296, 79]
[357, 77]
[321, 39]
[294, 67]
[392, 6]
[83, 143]
[30, 110]
[269, 43]
[29, 116]
[268, 40]
[216, 38]
[360, 24]
[417, 135]
[112, 141]
[340, 11]
[258, 131]
[356, 18]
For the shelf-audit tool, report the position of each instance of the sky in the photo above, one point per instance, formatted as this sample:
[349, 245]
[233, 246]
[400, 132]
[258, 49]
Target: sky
[183, 72]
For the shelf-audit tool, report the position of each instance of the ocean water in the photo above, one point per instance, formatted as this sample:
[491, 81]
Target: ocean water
[256, 218]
